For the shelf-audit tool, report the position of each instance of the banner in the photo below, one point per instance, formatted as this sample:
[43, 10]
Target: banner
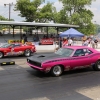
[48, 41]
[16, 41]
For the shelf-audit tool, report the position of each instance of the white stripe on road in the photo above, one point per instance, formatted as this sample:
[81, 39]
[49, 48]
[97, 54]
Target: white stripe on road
[92, 92]
[1, 68]
[42, 98]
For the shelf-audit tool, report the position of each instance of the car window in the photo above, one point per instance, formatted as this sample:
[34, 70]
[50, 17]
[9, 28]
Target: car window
[82, 52]
[15, 45]
[5, 45]
[87, 51]
[79, 52]
[65, 52]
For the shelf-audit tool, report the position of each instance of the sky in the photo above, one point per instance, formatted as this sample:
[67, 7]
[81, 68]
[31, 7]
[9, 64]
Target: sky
[4, 10]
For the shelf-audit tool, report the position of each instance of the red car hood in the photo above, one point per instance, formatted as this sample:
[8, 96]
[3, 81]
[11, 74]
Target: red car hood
[2, 49]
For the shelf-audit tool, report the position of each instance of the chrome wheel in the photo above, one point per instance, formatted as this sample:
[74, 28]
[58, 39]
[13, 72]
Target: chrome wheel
[98, 64]
[27, 52]
[57, 70]
[96, 67]
[1, 54]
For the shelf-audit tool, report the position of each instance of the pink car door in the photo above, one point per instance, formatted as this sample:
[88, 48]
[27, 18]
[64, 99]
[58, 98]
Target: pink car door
[80, 59]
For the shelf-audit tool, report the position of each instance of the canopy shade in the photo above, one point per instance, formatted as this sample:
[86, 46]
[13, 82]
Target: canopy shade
[14, 23]
[71, 33]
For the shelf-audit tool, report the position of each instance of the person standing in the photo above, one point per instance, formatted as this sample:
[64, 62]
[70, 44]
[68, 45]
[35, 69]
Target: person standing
[0, 34]
[86, 42]
[70, 42]
[24, 38]
[93, 43]
[96, 43]
[60, 42]
[65, 42]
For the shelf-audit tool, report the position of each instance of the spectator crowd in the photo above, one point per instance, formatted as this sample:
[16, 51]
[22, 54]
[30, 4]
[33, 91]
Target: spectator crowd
[90, 41]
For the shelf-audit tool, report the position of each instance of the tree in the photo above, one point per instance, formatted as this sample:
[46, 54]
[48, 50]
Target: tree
[97, 29]
[75, 12]
[2, 18]
[52, 30]
[45, 14]
[28, 8]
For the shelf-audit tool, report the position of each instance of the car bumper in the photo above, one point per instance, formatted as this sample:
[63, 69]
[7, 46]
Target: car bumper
[35, 67]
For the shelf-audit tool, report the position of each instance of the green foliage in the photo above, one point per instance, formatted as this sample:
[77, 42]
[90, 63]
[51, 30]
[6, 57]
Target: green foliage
[45, 14]
[97, 28]
[52, 30]
[28, 9]
[75, 12]
[32, 12]
[4, 19]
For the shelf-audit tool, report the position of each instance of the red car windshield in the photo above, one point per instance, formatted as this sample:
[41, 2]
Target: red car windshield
[65, 52]
[5, 46]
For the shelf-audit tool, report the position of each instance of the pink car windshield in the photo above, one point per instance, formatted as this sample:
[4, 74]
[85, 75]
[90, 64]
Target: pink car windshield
[65, 52]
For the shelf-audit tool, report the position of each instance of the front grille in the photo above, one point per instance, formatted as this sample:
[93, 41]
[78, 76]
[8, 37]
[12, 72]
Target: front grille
[34, 63]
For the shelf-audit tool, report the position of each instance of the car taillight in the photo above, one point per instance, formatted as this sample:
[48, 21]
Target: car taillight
[33, 48]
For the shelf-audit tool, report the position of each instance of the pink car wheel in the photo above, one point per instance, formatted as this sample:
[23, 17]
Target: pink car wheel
[56, 70]
[97, 66]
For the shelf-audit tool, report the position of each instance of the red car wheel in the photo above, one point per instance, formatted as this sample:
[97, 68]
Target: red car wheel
[27, 52]
[1, 55]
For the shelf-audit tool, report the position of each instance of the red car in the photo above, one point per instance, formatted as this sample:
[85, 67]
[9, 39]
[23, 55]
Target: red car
[16, 49]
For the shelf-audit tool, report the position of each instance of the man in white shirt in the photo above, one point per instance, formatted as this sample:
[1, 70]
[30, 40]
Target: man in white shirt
[70, 42]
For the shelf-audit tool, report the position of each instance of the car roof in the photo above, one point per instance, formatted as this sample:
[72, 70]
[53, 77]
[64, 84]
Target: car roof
[81, 47]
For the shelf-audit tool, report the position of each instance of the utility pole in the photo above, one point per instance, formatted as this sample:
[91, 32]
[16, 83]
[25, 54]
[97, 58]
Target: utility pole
[10, 4]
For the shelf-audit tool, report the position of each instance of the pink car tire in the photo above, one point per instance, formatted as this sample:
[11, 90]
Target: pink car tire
[96, 67]
[56, 70]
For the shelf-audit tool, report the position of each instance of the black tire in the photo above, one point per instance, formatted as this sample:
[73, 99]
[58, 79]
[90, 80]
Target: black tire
[56, 70]
[1, 55]
[96, 67]
[27, 53]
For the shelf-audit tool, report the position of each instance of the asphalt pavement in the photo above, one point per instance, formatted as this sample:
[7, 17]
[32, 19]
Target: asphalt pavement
[20, 82]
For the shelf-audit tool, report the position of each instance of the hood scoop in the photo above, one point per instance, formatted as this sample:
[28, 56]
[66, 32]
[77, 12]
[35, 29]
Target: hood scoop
[41, 56]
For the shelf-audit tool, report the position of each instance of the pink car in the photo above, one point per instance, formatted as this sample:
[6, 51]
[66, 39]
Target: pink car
[65, 59]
